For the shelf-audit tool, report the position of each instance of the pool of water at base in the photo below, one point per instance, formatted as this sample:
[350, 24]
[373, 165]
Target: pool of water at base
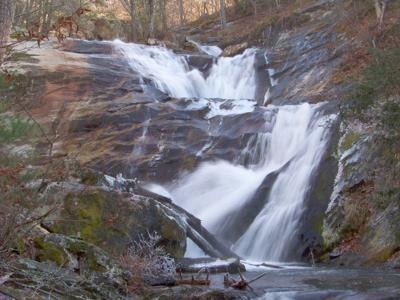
[295, 281]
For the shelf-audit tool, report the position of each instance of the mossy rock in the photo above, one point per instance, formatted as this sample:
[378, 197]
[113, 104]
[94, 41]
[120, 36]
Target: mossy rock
[89, 177]
[112, 220]
[41, 277]
[74, 254]
[349, 140]
[50, 252]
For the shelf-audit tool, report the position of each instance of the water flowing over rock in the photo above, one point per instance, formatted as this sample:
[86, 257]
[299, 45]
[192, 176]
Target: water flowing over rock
[228, 78]
[217, 189]
[230, 152]
[197, 123]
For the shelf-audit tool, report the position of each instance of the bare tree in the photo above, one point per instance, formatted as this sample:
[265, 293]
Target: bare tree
[181, 13]
[136, 26]
[380, 8]
[7, 8]
[223, 13]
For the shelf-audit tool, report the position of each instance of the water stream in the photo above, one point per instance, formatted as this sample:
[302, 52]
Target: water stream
[290, 146]
[229, 77]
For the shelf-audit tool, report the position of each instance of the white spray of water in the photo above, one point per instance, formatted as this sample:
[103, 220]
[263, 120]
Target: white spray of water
[216, 189]
[300, 135]
[229, 77]
[214, 51]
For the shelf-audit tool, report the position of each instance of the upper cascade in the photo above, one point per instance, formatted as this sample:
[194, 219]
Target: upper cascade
[229, 77]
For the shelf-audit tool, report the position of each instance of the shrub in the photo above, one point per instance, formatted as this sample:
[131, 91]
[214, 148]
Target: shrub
[148, 263]
[13, 128]
[380, 79]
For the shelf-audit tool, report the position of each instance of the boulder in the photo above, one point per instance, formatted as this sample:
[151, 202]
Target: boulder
[112, 220]
[47, 280]
[235, 49]
[78, 256]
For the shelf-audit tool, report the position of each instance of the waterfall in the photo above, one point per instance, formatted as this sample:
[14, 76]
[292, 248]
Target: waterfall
[218, 189]
[299, 139]
[229, 77]
[284, 154]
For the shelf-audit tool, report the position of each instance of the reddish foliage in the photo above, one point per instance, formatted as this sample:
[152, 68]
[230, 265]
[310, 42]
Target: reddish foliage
[351, 244]
[7, 76]
[11, 172]
[63, 23]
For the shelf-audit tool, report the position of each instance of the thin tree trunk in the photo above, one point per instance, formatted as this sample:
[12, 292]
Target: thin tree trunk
[181, 13]
[164, 16]
[6, 18]
[254, 4]
[223, 13]
[136, 25]
[152, 16]
[380, 8]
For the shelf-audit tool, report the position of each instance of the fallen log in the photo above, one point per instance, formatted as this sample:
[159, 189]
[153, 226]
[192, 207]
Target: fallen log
[241, 284]
[193, 281]
[194, 265]
[195, 230]
[265, 265]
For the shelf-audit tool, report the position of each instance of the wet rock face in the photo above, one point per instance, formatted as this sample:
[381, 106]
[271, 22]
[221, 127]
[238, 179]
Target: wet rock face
[304, 56]
[110, 121]
[200, 62]
[361, 224]
[235, 49]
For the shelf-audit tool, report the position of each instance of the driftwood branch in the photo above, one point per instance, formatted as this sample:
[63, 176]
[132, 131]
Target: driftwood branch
[241, 284]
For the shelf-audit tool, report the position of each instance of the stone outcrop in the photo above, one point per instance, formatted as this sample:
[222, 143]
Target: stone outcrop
[113, 220]
[235, 49]
[362, 220]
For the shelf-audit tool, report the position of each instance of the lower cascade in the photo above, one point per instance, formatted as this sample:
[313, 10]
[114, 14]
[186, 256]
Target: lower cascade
[218, 190]
[262, 194]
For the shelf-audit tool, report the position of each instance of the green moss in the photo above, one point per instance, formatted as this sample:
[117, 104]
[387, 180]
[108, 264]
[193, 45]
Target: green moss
[20, 245]
[171, 232]
[13, 128]
[318, 225]
[384, 254]
[80, 248]
[347, 171]
[49, 252]
[380, 79]
[89, 215]
[111, 221]
[96, 220]
[349, 140]
[89, 177]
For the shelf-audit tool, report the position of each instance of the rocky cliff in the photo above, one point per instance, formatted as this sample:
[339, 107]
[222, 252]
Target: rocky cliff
[104, 120]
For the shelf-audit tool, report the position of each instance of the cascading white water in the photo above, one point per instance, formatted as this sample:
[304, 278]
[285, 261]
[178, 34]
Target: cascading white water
[217, 189]
[229, 77]
[300, 137]
[213, 51]
[296, 138]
